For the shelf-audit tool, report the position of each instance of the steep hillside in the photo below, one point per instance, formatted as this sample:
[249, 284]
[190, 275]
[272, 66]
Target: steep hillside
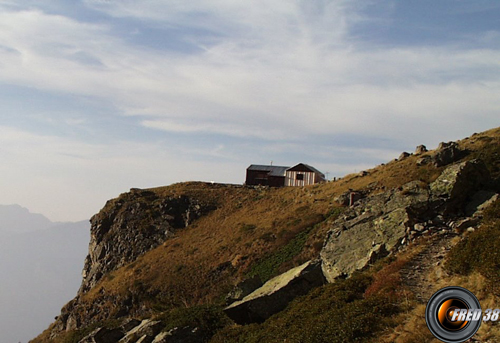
[172, 254]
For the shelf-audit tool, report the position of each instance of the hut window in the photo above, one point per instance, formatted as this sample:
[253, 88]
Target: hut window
[300, 176]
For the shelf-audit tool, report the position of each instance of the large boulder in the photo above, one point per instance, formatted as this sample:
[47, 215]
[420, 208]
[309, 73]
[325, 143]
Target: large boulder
[373, 228]
[275, 294]
[457, 184]
[447, 153]
[404, 155]
[421, 149]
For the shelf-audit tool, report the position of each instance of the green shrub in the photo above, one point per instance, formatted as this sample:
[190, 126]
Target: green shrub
[208, 319]
[479, 251]
[247, 228]
[334, 213]
[268, 237]
[268, 267]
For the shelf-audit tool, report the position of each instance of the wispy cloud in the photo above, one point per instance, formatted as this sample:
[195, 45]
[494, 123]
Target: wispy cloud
[289, 68]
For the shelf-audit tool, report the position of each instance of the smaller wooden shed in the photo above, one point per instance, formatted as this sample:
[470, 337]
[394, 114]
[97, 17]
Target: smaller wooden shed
[303, 175]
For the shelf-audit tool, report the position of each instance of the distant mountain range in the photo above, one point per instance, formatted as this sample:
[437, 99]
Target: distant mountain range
[17, 219]
[40, 268]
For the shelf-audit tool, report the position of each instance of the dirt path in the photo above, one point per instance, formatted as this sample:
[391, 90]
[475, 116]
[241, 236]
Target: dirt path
[419, 274]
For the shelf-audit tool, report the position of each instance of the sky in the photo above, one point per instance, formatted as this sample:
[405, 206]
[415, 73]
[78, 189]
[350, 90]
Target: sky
[99, 96]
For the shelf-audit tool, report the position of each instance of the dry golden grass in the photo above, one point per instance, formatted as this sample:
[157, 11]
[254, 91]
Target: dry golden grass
[248, 224]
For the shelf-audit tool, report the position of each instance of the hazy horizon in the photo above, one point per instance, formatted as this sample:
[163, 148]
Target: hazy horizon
[41, 268]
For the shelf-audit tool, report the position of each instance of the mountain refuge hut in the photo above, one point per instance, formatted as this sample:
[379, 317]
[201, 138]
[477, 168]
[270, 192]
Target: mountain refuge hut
[303, 175]
[279, 176]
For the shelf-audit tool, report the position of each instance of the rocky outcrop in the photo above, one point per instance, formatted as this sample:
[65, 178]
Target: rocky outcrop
[421, 149]
[131, 331]
[424, 160]
[404, 155]
[131, 225]
[146, 331]
[103, 335]
[445, 154]
[275, 294]
[127, 227]
[457, 184]
[349, 198]
[371, 229]
[377, 225]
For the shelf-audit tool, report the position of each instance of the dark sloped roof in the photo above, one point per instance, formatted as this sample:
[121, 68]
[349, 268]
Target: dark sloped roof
[311, 168]
[273, 170]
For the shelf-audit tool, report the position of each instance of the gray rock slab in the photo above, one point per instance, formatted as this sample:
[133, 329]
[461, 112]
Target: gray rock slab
[275, 294]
